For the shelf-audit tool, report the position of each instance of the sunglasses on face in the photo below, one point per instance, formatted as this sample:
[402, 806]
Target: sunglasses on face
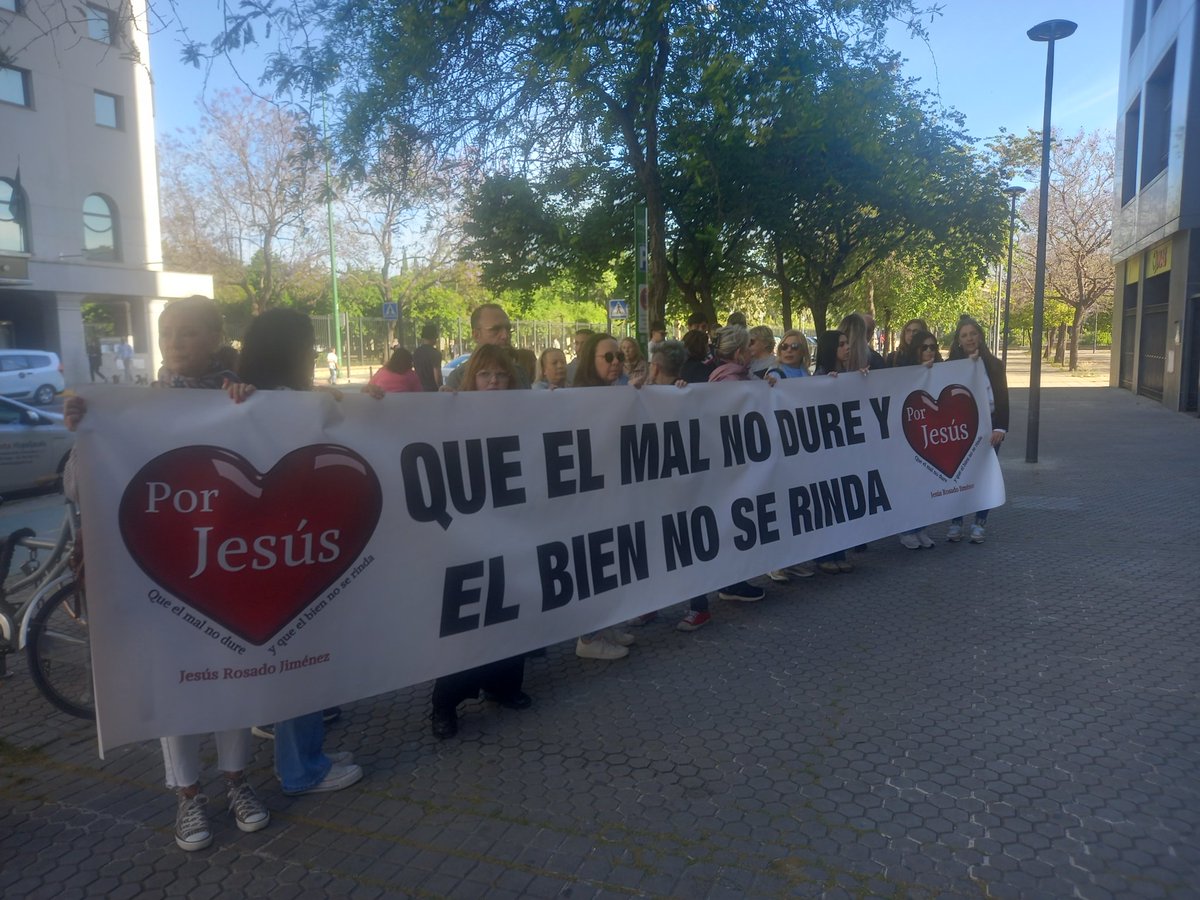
[931, 347]
[790, 346]
[610, 356]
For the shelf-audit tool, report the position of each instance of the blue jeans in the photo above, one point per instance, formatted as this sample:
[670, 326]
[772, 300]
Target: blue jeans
[299, 762]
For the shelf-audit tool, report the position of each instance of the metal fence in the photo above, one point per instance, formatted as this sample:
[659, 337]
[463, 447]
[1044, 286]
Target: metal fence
[368, 341]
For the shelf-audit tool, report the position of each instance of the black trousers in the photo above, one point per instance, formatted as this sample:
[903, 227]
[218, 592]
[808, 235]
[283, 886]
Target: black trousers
[501, 679]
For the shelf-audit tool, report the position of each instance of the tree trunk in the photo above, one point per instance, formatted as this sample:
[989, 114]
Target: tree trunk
[820, 308]
[785, 286]
[1060, 344]
[1076, 330]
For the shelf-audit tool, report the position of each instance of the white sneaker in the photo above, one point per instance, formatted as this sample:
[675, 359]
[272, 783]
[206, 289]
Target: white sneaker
[248, 811]
[976, 533]
[910, 541]
[192, 831]
[779, 575]
[954, 533]
[340, 775]
[800, 571]
[621, 638]
[598, 648]
[925, 539]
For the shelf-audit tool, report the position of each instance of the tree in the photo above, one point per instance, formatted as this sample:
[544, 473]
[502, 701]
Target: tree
[1079, 270]
[400, 204]
[856, 170]
[242, 182]
[537, 82]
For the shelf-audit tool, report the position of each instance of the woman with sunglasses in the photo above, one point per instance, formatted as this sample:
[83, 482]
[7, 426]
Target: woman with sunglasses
[791, 362]
[602, 364]
[793, 355]
[922, 350]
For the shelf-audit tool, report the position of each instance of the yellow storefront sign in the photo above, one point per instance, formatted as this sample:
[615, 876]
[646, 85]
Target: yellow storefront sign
[1133, 269]
[1158, 259]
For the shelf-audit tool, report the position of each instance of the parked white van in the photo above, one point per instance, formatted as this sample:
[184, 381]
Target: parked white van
[36, 374]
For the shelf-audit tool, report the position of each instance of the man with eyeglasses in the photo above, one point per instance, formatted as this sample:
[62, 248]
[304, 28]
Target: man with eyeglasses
[489, 325]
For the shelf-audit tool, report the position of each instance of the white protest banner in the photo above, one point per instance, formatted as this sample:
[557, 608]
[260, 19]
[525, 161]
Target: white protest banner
[248, 563]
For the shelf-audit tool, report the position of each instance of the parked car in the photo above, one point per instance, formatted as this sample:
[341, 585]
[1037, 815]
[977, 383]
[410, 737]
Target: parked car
[453, 364]
[34, 444]
[33, 374]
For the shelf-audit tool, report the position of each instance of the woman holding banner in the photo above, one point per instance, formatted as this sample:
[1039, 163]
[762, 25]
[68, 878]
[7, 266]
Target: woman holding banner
[552, 370]
[490, 368]
[903, 354]
[732, 349]
[833, 357]
[921, 350]
[968, 343]
[602, 364]
[190, 338]
[277, 355]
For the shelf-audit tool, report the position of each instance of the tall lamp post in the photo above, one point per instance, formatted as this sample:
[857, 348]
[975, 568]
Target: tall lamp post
[1047, 32]
[1013, 191]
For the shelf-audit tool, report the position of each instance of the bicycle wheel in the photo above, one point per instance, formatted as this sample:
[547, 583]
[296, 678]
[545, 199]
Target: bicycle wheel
[60, 657]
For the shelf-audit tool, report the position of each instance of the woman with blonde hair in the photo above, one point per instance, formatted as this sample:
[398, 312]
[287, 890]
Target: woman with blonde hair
[636, 366]
[793, 354]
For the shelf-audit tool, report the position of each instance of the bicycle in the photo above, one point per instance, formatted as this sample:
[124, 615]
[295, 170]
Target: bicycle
[50, 619]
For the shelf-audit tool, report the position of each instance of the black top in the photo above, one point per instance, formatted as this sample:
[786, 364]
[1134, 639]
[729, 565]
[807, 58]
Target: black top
[426, 359]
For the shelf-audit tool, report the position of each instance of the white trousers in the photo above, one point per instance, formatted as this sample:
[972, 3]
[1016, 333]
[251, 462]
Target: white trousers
[181, 755]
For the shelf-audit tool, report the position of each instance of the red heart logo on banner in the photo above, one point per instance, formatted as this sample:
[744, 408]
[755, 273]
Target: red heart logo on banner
[942, 431]
[248, 550]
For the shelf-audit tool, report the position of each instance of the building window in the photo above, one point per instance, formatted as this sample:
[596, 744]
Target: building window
[99, 23]
[1129, 162]
[1156, 127]
[1138, 26]
[14, 218]
[99, 229]
[14, 86]
[108, 110]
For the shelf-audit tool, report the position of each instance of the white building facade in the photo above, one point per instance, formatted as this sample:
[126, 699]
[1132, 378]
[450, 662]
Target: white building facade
[1156, 225]
[79, 216]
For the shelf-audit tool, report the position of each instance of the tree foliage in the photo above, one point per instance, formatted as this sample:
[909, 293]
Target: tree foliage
[240, 185]
[1079, 271]
[537, 83]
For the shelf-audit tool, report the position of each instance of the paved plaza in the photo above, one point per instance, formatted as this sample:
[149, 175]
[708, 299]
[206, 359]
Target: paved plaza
[1012, 719]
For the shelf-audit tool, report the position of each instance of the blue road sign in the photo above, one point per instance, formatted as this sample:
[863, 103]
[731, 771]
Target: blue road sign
[618, 309]
[391, 311]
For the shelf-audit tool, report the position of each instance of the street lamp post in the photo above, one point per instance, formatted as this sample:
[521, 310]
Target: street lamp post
[1047, 32]
[996, 314]
[1013, 191]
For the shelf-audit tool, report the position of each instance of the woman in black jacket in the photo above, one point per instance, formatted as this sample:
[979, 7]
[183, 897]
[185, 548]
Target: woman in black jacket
[969, 344]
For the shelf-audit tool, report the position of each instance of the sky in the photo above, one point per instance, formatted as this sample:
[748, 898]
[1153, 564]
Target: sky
[978, 60]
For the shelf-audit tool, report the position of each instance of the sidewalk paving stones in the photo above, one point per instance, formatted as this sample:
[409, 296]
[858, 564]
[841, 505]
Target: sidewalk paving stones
[1012, 719]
